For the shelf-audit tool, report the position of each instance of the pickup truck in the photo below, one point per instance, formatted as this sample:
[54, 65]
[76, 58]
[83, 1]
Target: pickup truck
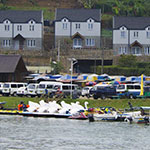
[103, 92]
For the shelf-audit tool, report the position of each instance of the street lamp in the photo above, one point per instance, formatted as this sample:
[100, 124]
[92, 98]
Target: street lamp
[73, 62]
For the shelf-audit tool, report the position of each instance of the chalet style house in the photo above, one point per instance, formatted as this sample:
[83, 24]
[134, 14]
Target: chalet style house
[21, 30]
[131, 35]
[12, 68]
[82, 26]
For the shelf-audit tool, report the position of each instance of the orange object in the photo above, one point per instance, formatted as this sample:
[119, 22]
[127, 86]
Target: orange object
[20, 106]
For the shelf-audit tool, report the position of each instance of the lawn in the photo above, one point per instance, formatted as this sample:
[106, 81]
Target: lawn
[12, 102]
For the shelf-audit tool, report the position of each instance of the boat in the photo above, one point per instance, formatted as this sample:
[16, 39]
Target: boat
[139, 119]
[103, 117]
[78, 116]
[44, 114]
[8, 112]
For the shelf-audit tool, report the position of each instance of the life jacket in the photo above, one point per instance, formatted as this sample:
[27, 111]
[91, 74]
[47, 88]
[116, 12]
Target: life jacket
[27, 106]
[20, 106]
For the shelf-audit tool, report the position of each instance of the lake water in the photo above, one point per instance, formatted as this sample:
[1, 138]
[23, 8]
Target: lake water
[23, 133]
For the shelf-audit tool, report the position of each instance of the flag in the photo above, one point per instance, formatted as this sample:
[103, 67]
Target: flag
[142, 89]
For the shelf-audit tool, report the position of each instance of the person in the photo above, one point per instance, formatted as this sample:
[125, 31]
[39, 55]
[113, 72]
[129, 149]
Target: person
[22, 106]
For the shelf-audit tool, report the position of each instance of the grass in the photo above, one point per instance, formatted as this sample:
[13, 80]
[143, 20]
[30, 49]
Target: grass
[12, 102]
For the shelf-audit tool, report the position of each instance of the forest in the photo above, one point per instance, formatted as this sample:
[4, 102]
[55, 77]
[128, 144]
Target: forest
[120, 7]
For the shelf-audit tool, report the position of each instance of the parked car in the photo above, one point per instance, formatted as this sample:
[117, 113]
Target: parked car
[103, 92]
[11, 88]
[1, 87]
[129, 90]
[86, 91]
[66, 89]
[32, 89]
[22, 91]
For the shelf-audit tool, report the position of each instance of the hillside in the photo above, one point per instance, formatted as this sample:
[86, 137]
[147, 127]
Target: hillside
[48, 6]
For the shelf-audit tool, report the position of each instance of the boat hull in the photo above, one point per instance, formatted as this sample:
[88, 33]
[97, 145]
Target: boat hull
[47, 115]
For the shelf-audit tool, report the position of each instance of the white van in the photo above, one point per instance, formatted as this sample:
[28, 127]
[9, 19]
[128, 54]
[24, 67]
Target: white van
[46, 85]
[66, 89]
[1, 87]
[22, 91]
[11, 88]
[128, 90]
[32, 89]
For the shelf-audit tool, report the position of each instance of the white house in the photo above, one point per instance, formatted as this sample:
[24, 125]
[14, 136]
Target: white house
[131, 35]
[21, 30]
[82, 26]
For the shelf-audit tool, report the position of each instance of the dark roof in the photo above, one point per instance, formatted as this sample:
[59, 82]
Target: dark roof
[8, 63]
[20, 16]
[131, 22]
[78, 15]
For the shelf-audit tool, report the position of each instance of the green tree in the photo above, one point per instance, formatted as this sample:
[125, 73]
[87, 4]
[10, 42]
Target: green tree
[88, 3]
[57, 67]
[127, 61]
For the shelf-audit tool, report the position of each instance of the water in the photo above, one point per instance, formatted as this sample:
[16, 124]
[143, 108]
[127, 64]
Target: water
[23, 133]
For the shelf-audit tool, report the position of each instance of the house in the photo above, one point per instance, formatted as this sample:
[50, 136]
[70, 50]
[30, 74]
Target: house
[12, 68]
[131, 35]
[21, 30]
[82, 26]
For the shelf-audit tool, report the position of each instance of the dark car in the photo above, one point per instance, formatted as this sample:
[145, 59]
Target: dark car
[103, 92]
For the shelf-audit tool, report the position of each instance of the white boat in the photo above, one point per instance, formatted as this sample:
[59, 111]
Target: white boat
[139, 119]
[104, 117]
[44, 114]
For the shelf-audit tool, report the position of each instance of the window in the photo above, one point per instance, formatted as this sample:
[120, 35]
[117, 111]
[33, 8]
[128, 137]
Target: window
[130, 87]
[122, 50]
[31, 43]
[31, 27]
[6, 27]
[148, 34]
[6, 43]
[49, 86]
[13, 85]
[20, 85]
[147, 50]
[65, 87]
[19, 27]
[77, 26]
[137, 87]
[136, 34]
[77, 42]
[64, 26]
[122, 34]
[90, 42]
[41, 86]
[90, 26]
[121, 87]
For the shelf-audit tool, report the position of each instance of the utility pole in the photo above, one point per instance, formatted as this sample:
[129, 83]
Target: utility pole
[58, 51]
[102, 63]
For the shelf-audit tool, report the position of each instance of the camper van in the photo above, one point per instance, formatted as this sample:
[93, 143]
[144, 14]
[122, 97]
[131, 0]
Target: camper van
[129, 90]
[32, 89]
[11, 88]
[46, 85]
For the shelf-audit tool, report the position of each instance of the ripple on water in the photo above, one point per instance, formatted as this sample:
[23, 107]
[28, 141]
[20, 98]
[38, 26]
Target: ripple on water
[49, 133]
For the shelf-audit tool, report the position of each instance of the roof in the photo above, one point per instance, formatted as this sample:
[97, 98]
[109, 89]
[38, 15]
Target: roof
[8, 63]
[20, 16]
[78, 15]
[131, 22]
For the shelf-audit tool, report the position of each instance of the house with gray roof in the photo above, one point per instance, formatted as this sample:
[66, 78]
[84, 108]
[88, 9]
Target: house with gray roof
[12, 68]
[21, 30]
[82, 26]
[131, 35]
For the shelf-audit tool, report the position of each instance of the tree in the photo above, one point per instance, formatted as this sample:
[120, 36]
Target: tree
[88, 3]
[127, 61]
